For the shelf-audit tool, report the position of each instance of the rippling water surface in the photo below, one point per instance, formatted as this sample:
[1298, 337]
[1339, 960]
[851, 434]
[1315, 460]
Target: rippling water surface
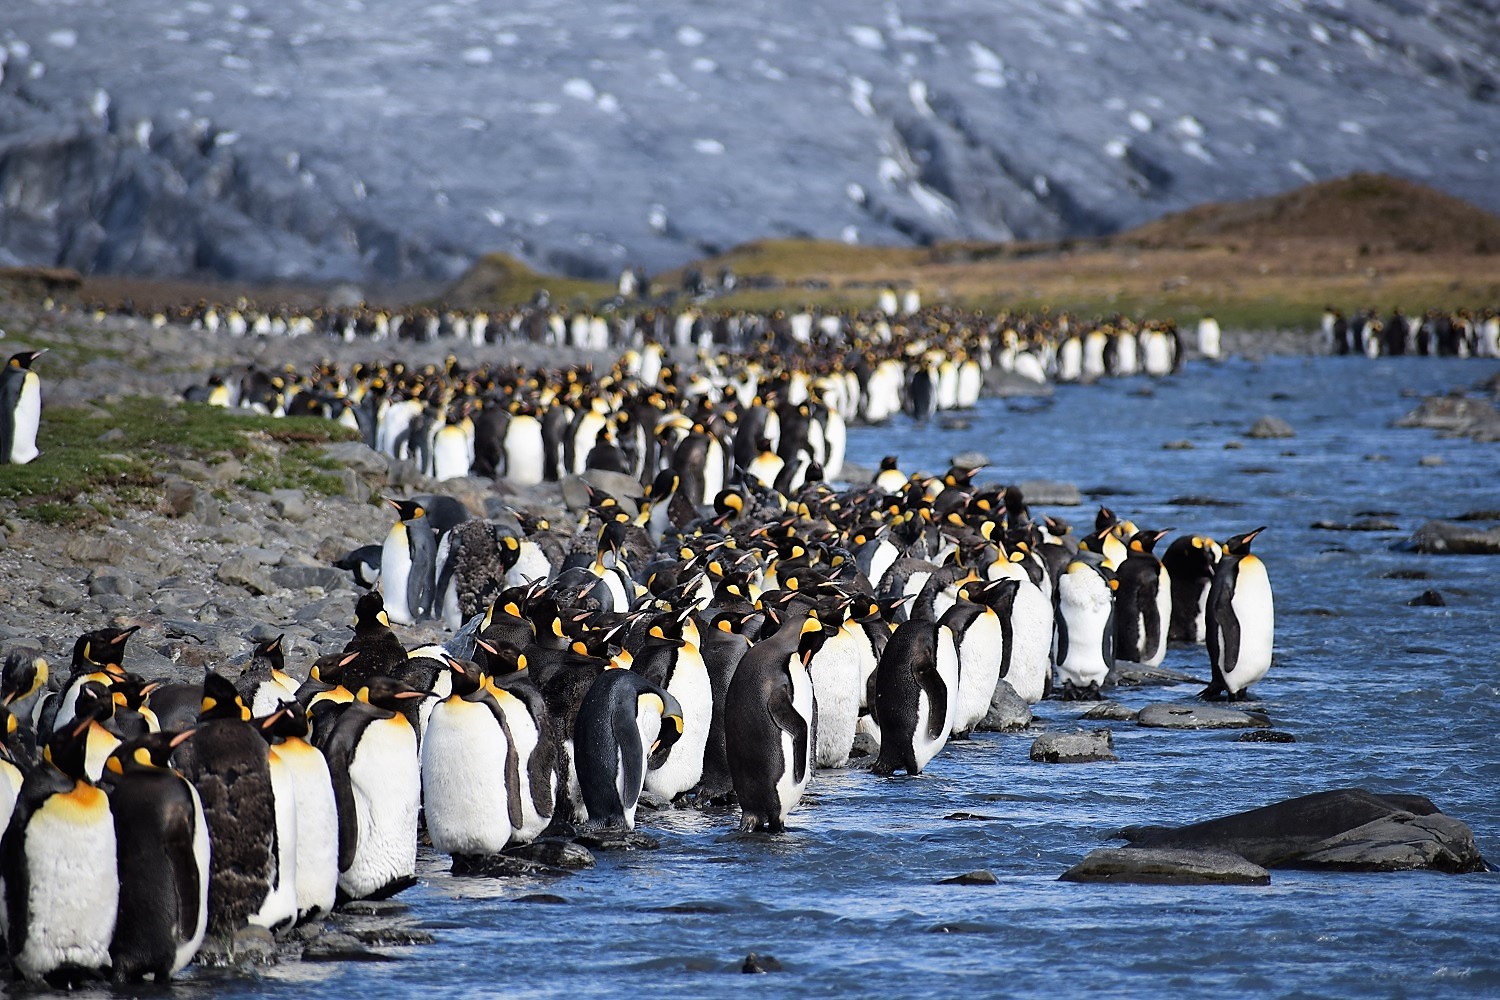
[1376, 693]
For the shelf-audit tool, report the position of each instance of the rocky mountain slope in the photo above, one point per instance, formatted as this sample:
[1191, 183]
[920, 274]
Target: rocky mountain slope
[395, 141]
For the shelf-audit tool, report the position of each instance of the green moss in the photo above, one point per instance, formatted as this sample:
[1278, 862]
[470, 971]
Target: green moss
[144, 433]
[60, 514]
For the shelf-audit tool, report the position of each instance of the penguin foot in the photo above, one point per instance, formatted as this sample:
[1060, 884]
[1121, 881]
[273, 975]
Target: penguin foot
[1214, 693]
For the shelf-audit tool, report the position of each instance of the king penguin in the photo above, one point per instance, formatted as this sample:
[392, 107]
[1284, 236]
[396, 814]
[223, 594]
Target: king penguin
[58, 873]
[769, 713]
[1143, 602]
[1085, 627]
[465, 793]
[1241, 620]
[1190, 562]
[408, 565]
[372, 756]
[916, 695]
[317, 822]
[163, 855]
[623, 721]
[20, 409]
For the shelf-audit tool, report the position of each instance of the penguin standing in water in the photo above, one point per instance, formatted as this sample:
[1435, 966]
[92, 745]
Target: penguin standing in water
[163, 856]
[724, 645]
[372, 756]
[1085, 627]
[1189, 562]
[20, 409]
[671, 659]
[465, 793]
[1241, 620]
[61, 884]
[408, 564]
[916, 695]
[624, 720]
[1143, 602]
[983, 645]
[769, 712]
[317, 822]
[279, 909]
[531, 763]
[229, 764]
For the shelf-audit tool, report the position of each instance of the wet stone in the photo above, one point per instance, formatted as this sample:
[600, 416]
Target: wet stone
[1110, 711]
[1427, 599]
[980, 876]
[1181, 445]
[542, 898]
[1166, 866]
[1265, 736]
[760, 963]
[1079, 747]
[1166, 716]
[1008, 712]
[1270, 427]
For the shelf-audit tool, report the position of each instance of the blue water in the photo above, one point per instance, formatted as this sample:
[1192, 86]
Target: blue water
[1376, 693]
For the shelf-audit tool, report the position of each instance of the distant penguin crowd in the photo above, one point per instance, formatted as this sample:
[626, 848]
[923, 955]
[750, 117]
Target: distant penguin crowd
[656, 649]
[1452, 333]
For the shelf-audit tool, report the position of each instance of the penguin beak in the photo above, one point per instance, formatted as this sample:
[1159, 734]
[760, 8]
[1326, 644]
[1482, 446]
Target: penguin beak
[181, 738]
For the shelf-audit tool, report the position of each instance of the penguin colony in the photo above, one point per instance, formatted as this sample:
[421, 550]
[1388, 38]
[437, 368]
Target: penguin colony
[721, 655]
[1456, 333]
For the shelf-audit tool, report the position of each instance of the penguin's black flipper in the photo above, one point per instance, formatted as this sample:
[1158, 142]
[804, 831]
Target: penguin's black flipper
[339, 752]
[10, 395]
[937, 696]
[785, 715]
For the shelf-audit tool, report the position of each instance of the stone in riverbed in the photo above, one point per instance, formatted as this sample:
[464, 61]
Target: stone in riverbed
[1447, 538]
[1348, 829]
[970, 460]
[1265, 736]
[244, 571]
[1078, 747]
[1127, 674]
[290, 505]
[1110, 711]
[1167, 716]
[1051, 493]
[981, 876]
[1427, 599]
[1270, 427]
[1160, 866]
[1008, 711]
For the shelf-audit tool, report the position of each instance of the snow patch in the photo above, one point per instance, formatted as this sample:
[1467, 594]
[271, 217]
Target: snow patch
[703, 64]
[99, 103]
[1351, 128]
[849, 234]
[859, 95]
[495, 216]
[690, 36]
[1040, 185]
[478, 55]
[656, 218]
[989, 79]
[1319, 33]
[63, 38]
[506, 38]
[985, 59]
[866, 37]
[917, 91]
[1194, 148]
[768, 71]
[580, 89]
[1189, 127]
[1267, 66]
[1116, 149]
[890, 172]
[931, 202]
[708, 147]
[1300, 169]
[1267, 116]
[1140, 121]
[609, 104]
[855, 193]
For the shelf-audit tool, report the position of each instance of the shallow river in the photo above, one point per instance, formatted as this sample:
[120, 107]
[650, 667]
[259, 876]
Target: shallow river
[1377, 694]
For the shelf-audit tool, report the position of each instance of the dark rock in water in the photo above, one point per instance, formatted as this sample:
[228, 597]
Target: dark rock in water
[544, 898]
[968, 816]
[245, 947]
[1363, 524]
[1165, 866]
[1479, 515]
[1270, 427]
[1110, 711]
[1427, 599]
[1050, 493]
[1165, 716]
[1348, 829]
[1079, 747]
[1406, 574]
[1233, 445]
[1127, 674]
[971, 460]
[1008, 712]
[338, 947]
[1265, 736]
[956, 424]
[1197, 501]
[760, 963]
[391, 936]
[1447, 538]
[554, 852]
[373, 908]
[499, 866]
[1182, 445]
[981, 876]
[618, 840]
[1430, 461]
[1456, 416]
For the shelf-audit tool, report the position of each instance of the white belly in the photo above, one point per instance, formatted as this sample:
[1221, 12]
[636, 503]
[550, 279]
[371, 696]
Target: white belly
[395, 570]
[1254, 607]
[979, 670]
[280, 904]
[523, 451]
[1085, 605]
[684, 765]
[387, 792]
[28, 417]
[464, 792]
[74, 887]
[317, 827]
[837, 682]
[450, 454]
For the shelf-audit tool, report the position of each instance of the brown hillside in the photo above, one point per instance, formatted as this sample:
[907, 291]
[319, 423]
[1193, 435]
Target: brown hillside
[1371, 211]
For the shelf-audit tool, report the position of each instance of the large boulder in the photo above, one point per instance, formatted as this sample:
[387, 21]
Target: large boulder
[1348, 829]
[1165, 716]
[1447, 538]
[1166, 866]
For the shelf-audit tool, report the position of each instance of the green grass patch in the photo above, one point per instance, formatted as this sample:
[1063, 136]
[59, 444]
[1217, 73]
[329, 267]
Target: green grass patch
[120, 447]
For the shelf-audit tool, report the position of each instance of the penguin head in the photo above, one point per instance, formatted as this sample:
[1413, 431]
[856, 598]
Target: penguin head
[466, 676]
[102, 649]
[269, 652]
[1145, 541]
[95, 703]
[390, 694]
[153, 751]
[329, 669]
[1239, 545]
[815, 632]
[67, 749]
[221, 700]
[23, 359]
[289, 721]
[24, 674]
[499, 659]
[369, 613]
[407, 510]
[670, 710]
